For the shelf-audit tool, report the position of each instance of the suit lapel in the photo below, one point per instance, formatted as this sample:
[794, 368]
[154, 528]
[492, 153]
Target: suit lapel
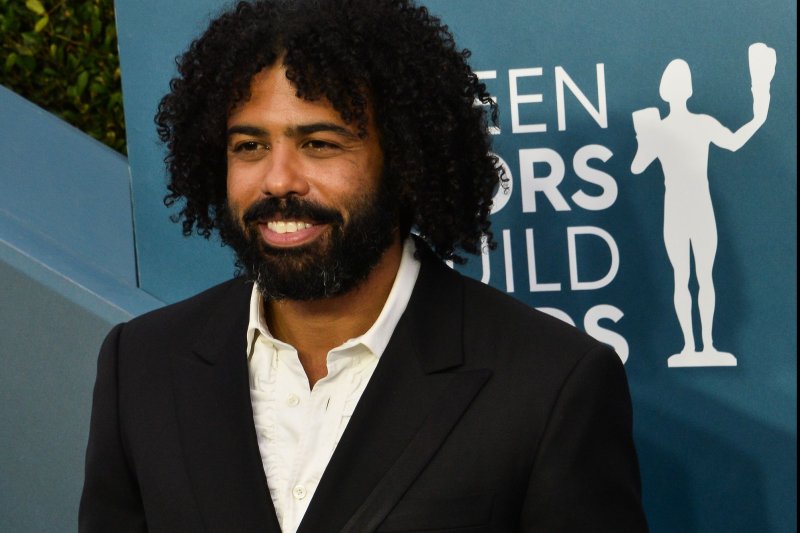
[413, 400]
[212, 398]
[455, 396]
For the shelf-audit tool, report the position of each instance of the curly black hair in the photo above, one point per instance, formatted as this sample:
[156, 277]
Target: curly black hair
[388, 56]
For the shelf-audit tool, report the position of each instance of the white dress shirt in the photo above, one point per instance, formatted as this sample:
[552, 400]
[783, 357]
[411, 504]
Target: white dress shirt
[297, 427]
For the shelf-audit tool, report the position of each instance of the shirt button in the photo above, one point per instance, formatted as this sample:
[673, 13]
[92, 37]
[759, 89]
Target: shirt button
[299, 492]
[292, 400]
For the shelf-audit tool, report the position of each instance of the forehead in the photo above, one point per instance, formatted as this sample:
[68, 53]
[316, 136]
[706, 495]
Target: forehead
[272, 81]
[273, 97]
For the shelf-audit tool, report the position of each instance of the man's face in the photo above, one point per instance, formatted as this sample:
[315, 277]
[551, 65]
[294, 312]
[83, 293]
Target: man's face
[308, 212]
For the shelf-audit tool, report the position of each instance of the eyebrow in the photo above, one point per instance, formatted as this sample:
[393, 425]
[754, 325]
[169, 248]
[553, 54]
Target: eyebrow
[294, 131]
[307, 129]
[247, 130]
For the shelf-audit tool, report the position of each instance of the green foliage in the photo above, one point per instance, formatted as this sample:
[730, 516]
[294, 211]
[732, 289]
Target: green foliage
[62, 55]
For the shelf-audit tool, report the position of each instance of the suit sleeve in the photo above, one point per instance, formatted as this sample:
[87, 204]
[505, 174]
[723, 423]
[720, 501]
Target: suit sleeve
[586, 475]
[110, 499]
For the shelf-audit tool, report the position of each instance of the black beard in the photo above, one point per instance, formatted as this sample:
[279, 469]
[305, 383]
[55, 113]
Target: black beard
[334, 263]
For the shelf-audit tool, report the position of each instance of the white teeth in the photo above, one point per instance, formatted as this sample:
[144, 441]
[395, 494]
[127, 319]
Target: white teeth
[291, 226]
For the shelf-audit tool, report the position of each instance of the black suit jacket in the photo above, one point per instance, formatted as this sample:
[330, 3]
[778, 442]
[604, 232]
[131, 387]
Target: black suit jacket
[482, 415]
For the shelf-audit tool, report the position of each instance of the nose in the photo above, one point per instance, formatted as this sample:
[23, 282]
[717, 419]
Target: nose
[284, 174]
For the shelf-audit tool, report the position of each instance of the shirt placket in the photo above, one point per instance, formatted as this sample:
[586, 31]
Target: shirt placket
[292, 405]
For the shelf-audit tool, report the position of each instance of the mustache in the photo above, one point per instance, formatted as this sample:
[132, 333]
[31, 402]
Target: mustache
[290, 207]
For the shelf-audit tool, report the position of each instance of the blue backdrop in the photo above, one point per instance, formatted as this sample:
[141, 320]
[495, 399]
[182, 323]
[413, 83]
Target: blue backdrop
[580, 235]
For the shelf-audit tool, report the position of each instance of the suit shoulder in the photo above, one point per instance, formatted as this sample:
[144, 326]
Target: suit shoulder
[499, 321]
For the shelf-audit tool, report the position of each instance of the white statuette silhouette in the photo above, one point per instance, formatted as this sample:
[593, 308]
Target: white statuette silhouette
[681, 143]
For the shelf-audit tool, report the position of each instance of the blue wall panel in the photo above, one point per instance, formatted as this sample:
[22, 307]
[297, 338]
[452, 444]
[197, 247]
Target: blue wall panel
[67, 274]
[65, 205]
[48, 349]
[62, 184]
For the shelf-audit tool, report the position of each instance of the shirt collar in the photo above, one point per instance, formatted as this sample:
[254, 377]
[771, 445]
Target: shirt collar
[376, 338]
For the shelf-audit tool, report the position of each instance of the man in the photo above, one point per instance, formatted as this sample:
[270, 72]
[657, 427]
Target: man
[349, 380]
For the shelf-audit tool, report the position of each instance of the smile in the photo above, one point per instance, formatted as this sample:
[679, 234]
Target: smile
[288, 226]
[283, 233]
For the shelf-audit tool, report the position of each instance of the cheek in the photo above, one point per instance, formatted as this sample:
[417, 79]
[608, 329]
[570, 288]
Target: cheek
[241, 184]
[232, 187]
[373, 167]
[234, 195]
[360, 175]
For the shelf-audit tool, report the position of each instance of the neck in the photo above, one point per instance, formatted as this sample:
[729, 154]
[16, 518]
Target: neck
[316, 327]
[678, 107]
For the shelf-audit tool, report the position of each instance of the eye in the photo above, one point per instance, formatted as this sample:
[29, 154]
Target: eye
[318, 145]
[248, 146]
[248, 150]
